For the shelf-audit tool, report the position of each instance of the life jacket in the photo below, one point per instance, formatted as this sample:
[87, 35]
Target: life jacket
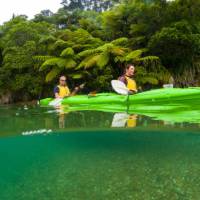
[63, 91]
[131, 84]
[132, 121]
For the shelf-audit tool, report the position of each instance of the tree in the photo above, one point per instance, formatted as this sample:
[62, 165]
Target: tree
[80, 56]
[96, 5]
[178, 47]
[19, 43]
[44, 15]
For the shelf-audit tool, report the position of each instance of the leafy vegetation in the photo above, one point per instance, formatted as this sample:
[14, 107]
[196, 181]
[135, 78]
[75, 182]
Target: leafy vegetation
[92, 42]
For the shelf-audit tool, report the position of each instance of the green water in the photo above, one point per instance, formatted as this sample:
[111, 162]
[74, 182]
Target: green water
[49, 155]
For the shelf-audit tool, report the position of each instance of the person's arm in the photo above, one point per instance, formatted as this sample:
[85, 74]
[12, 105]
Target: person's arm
[132, 91]
[56, 92]
[74, 91]
[122, 79]
[77, 89]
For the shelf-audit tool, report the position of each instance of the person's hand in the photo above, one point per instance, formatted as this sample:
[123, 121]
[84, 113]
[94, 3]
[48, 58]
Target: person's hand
[82, 86]
[76, 89]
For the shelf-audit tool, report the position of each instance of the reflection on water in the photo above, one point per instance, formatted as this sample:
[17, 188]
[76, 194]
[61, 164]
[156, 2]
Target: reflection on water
[17, 120]
[124, 120]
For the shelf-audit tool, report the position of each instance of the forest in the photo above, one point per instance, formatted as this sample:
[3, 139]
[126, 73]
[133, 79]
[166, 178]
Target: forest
[90, 41]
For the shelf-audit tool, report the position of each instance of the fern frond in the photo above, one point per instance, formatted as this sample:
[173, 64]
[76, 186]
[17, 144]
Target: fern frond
[149, 59]
[42, 58]
[92, 61]
[52, 74]
[59, 62]
[61, 44]
[105, 47]
[88, 52]
[76, 76]
[70, 63]
[68, 52]
[134, 55]
[120, 59]
[120, 41]
[103, 59]
[117, 51]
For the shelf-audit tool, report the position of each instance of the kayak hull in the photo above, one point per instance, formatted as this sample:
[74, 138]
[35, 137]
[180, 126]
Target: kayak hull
[153, 97]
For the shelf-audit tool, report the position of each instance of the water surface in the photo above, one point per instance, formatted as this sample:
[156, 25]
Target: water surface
[48, 154]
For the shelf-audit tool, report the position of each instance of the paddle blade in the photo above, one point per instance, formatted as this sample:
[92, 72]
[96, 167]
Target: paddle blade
[56, 102]
[119, 87]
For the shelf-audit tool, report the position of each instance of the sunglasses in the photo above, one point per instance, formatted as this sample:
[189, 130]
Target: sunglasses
[62, 80]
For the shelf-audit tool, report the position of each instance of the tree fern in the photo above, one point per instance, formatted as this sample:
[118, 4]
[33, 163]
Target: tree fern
[68, 52]
[88, 52]
[69, 63]
[134, 55]
[120, 41]
[149, 59]
[118, 51]
[103, 59]
[59, 62]
[61, 44]
[91, 61]
[42, 58]
[52, 74]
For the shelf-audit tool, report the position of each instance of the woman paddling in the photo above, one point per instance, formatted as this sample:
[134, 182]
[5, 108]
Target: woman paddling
[127, 78]
[62, 90]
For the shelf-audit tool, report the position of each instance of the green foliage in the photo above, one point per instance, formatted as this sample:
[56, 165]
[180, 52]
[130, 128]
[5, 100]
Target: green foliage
[68, 52]
[92, 44]
[178, 46]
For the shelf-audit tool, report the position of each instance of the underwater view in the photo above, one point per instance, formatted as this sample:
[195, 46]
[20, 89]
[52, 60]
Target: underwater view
[49, 153]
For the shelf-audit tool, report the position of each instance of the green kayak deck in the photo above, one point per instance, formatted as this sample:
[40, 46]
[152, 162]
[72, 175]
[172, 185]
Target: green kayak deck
[158, 97]
[177, 105]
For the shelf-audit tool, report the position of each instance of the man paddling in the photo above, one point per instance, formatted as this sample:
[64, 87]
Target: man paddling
[62, 90]
[127, 78]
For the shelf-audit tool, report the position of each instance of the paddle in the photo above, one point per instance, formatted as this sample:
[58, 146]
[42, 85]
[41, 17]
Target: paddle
[56, 102]
[121, 88]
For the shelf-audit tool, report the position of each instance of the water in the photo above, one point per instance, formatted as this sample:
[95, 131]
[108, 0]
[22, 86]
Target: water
[86, 155]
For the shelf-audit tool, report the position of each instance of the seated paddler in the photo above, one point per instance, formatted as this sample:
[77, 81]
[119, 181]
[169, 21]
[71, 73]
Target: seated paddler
[128, 78]
[62, 90]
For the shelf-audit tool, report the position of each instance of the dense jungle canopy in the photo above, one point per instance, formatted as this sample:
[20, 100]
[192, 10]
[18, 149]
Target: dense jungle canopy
[90, 41]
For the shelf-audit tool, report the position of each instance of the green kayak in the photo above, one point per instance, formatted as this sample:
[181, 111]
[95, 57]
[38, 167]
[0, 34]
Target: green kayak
[158, 97]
